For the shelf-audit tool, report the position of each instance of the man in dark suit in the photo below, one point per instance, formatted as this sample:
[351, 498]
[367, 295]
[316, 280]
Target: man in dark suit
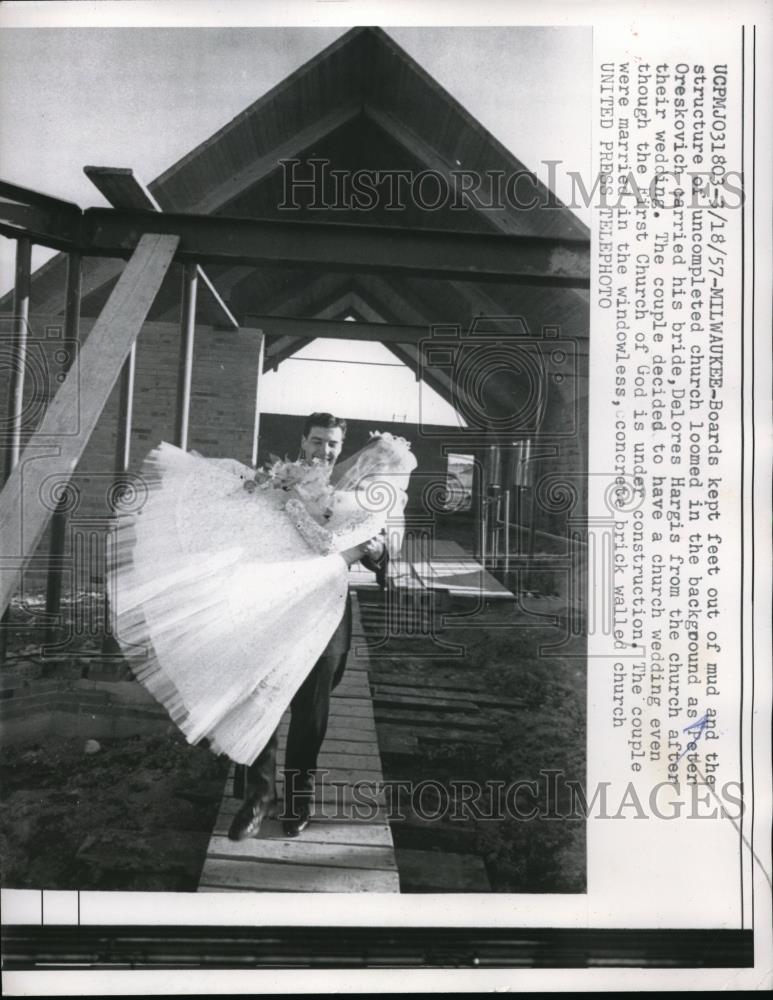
[322, 440]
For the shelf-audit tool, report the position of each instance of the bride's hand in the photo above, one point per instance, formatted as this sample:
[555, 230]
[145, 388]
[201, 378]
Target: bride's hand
[374, 548]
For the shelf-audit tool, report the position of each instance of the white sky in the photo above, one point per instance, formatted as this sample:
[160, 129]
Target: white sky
[143, 97]
[330, 384]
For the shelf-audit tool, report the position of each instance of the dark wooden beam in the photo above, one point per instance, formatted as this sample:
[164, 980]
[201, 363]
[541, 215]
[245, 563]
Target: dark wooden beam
[289, 326]
[123, 190]
[44, 219]
[282, 349]
[496, 257]
[423, 253]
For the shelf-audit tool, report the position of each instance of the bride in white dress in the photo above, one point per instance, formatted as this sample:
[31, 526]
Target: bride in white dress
[227, 585]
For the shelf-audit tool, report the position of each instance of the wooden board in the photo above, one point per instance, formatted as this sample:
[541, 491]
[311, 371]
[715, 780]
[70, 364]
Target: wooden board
[448, 568]
[338, 855]
[323, 831]
[259, 876]
[464, 577]
[332, 792]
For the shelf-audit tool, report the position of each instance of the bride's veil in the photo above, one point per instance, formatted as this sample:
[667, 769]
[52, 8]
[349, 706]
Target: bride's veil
[385, 457]
[378, 473]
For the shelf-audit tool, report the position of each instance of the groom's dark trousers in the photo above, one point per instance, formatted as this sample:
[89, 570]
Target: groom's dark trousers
[308, 715]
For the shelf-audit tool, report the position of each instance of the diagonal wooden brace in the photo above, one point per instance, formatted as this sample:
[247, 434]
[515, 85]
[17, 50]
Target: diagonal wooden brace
[53, 448]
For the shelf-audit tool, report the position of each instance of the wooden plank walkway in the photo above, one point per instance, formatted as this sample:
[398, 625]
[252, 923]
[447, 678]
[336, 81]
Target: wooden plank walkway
[443, 566]
[347, 847]
[447, 567]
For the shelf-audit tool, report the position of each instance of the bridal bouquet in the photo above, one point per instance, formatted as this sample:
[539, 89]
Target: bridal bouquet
[307, 481]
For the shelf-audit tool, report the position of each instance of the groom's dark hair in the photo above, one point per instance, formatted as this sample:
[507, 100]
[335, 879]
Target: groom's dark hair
[323, 420]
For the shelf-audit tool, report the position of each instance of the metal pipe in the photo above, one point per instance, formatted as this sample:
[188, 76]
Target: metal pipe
[506, 499]
[483, 531]
[256, 425]
[532, 523]
[125, 411]
[185, 370]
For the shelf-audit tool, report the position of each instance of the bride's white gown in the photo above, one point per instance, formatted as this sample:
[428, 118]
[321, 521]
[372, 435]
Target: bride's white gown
[223, 600]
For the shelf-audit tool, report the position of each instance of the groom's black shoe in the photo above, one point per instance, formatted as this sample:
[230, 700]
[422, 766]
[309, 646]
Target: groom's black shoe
[248, 820]
[298, 799]
[297, 823]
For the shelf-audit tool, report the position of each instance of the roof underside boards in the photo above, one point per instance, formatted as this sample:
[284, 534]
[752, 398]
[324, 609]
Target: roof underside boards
[362, 104]
[363, 72]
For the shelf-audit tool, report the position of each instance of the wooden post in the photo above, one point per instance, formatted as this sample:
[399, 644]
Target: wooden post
[185, 369]
[72, 309]
[256, 428]
[21, 310]
[477, 507]
[506, 501]
[532, 523]
[121, 464]
[484, 528]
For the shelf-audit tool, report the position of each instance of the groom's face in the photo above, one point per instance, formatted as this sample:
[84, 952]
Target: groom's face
[323, 444]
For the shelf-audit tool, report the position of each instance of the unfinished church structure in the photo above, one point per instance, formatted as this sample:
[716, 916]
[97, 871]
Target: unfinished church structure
[283, 227]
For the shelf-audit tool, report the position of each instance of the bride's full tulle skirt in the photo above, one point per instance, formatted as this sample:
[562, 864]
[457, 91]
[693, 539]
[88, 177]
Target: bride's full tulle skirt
[219, 604]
